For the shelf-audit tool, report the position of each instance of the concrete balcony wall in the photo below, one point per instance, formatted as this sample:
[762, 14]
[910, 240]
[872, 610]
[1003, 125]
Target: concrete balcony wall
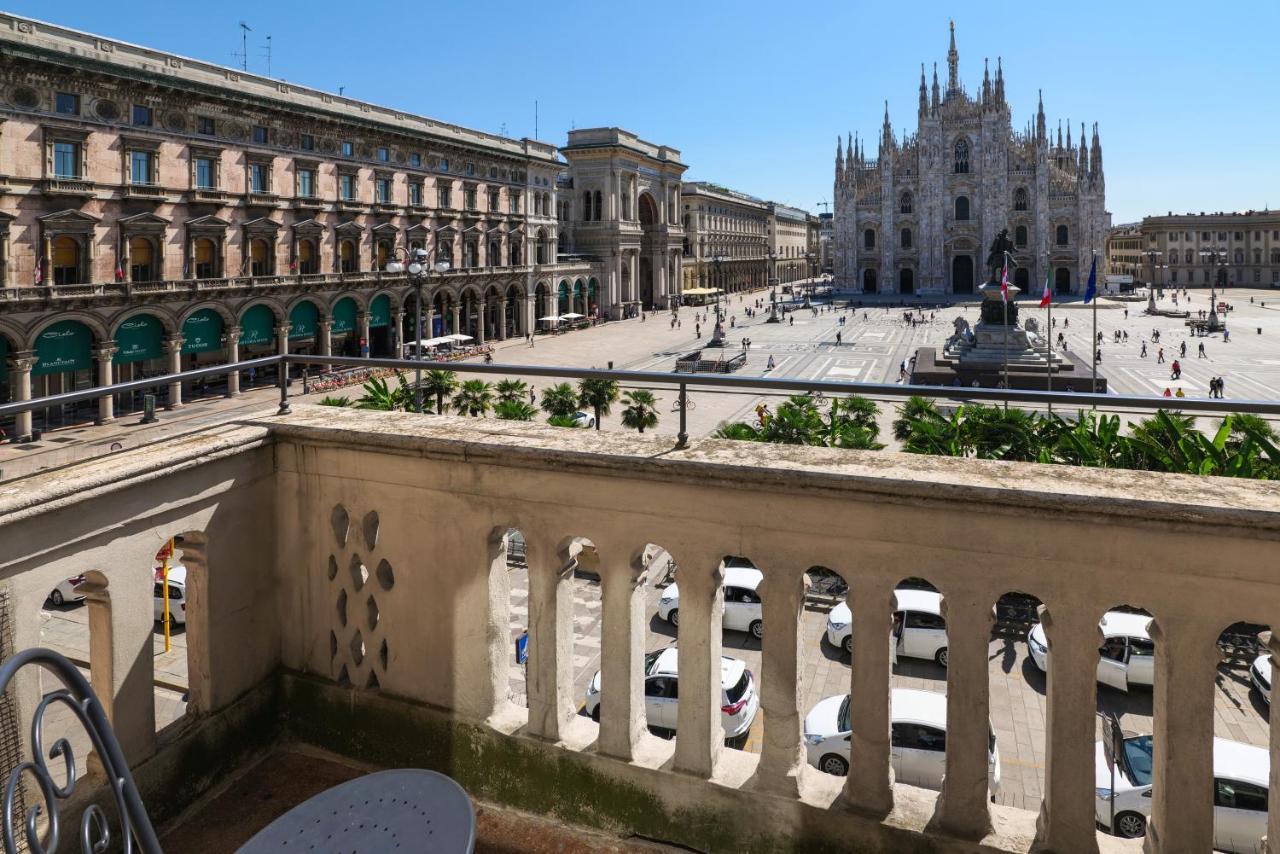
[389, 526]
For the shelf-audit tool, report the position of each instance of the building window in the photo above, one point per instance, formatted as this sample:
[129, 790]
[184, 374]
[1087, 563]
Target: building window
[415, 160]
[469, 250]
[66, 260]
[415, 193]
[494, 201]
[1173, 257]
[906, 238]
[1238, 236]
[962, 208]
[868, 239]
[471, 169]
[307, 142]
[259, 257]
[962, 156]
[1063, 236]
[206, 126]
[1020, 199]
[599, 207]
[444, 251]
[348, 149]
[347, 187]
[142, 116]
[206, 258]
[383, 189]
[1173, 277]
[140, 171]
[66, 160]
[383, 155]
[513, 202]
[259, 135]
[1222, 235]
[206, 176]
[444, 194]
[1239, 256]
[307, 183]
[469, 198]
[444, 164]
[259, 178]
[67, 104]
[1020, 236]
[905, 203]
[1189, 255]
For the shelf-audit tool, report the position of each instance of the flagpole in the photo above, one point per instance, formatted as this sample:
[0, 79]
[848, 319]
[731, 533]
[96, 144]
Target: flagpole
[1049, 333]
[1004, 292]
[1096, 348]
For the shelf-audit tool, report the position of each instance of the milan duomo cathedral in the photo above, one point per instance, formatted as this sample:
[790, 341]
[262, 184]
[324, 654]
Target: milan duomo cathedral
[920, 215]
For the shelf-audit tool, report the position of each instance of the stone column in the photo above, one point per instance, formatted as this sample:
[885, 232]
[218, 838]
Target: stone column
[457, 318]
[502, 319]
[20, 364]
[1182, 762]
[483, 311]
[782, 754]
[634, 260]
[868, 788]
[701, 613]
[324, 329]
[531, 313]
[173, 346]
[397, 333]
[428, 322]
[622, 651]
[282, 338]
[106, 404]
[233, 356]
[1066, 820]
[362, 329]
[962, 807]
[550, 666]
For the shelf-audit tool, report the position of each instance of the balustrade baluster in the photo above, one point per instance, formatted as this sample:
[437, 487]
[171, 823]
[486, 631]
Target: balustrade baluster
[867, 788]
[622, 652]
[550, 681]
[782, 754]
[700, 733]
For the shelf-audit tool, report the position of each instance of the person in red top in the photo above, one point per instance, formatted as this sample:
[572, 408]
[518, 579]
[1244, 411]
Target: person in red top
[1176, 370]
[1168, 393]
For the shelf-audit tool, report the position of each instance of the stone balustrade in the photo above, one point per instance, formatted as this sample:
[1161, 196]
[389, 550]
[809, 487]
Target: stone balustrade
[348, 578]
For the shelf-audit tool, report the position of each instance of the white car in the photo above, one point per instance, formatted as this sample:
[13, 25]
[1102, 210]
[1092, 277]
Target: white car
[919, 631]
[917, 745]
[1126, 658]
[177, 596]
[1240, 776]
[67, 591]
[739, 701]
[743, 610]
[1260, 675]
[583, 419]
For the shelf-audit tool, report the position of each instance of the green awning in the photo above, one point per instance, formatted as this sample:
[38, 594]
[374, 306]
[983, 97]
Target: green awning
[380, 311]
[65, 346]
[257, 326]
[303, 320]
[138, 338]
[344, 316]
[202, 333]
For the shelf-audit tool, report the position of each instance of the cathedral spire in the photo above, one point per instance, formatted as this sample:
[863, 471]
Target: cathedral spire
[999, 82]
[1084, 154]
[1040, 132]
[1068, 134]
[886, 135]
[986, 81]
[924, 92]
[953, 64]
[1059, 134]
[839, 160]
[1096, 154]
[935, 87]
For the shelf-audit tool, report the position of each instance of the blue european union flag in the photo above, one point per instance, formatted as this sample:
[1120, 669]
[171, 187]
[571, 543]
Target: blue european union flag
[1092, 290]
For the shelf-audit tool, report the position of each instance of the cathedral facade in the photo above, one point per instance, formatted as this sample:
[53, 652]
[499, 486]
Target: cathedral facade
[921, 215]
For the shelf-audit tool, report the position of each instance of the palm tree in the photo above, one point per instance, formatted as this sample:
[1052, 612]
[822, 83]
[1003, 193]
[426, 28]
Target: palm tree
[560, 400]
[640, 410]
[440, 383]
[474, 398]
[1002, 434]
[914, 408]
[739, 431]
[514, 410]
[329, 400]
[563, 421]
[597, 394]
[508, 390]
[380, 396]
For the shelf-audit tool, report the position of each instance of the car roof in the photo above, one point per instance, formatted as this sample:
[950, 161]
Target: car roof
[667, 664]
[1124, 624]
[177, 575]
[908, 705]
[742, 576]
[1238, 761]
[927, 601]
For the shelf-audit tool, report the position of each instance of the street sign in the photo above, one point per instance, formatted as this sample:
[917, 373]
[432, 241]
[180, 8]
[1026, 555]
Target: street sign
[1112, 745]
[522, 648]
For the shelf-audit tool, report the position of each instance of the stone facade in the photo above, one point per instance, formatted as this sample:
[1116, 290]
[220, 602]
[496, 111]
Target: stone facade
[724, 224]
[1197, 250]
[920, 216]
[793, 240]
[158, 213]
[1124, 251]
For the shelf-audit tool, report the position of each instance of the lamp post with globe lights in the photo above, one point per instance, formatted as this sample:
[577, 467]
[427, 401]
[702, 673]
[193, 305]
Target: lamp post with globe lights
[416, 270]
[773, 288]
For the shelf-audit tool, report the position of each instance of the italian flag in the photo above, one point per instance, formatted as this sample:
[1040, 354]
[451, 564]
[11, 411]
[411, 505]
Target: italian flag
[1047, 296]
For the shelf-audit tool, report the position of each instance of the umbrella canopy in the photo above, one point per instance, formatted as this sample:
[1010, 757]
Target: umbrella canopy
[572, 316]
[551, 318]
[457, 337]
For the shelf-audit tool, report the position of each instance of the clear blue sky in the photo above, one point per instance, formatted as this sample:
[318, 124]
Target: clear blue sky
[754, 93]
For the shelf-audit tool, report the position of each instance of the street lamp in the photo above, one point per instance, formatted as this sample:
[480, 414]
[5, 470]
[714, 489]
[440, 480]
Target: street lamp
[773, 287]
[717, 260]
[417, 270]
[808, 257]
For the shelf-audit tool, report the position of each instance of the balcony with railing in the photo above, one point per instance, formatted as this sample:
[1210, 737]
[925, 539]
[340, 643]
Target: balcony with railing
[63, 186]
[348, 590]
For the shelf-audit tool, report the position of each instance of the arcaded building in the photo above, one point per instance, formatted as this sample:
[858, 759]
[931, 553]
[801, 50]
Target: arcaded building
[919, 214]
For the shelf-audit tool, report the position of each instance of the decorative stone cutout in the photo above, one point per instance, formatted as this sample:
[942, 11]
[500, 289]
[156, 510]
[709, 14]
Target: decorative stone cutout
[25, 97]
[382, 654]
[343, 678]
[370, 528]
[386, 577]
[372, 681]
[357, 648]
[359, 575]
[106, 110]
[372, 614]
[342, 608]
[333, 567]
[333, 645]
[341, 523]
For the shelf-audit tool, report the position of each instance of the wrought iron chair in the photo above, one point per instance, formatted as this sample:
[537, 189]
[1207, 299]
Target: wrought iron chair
[136, 831]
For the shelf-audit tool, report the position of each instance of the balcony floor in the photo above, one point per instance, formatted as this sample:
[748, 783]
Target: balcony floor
[291, 773]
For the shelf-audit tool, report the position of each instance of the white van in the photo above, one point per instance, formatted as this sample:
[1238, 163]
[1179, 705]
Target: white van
[743, 610]
[1126, 658]
[177, 596]
[918, 739]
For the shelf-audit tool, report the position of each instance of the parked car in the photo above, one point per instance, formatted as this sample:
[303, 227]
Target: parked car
[919, 631]
[743, 610]
[739, 701]
[1126, 658]
[918, 739]
[1260, 675]
[177, 596]
[583, 419]
[1240, 777]
[67, 591]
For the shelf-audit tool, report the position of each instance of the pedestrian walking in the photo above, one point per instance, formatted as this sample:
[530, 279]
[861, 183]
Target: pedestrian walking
[1175, 370]
[1168, 393]
[697, 330]
[1179, 392]
[1160, 356]
[1097, 355]
[791, 321]
[1202, 350]
[533, 397]
[839, 339]
[1143, 354]
[1222, 387]
[1184, 349]
[770, 366]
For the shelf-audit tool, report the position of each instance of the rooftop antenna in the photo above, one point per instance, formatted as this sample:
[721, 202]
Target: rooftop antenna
[824, 204]
[244, 46]
[503, 130]
[267, 53]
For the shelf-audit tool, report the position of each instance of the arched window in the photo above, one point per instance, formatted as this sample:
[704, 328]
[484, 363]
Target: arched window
[206, 259]
[259, 260]
[906, 238]
[869, 239]
[962, 156]
[306, 257]
[515, 251]
[962, 208]
[1020, 236]
[904, 203]
[1020, 199]
[346, 257]
[495, 254]
[599, 207]
[1063, 236]
[586, 205]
